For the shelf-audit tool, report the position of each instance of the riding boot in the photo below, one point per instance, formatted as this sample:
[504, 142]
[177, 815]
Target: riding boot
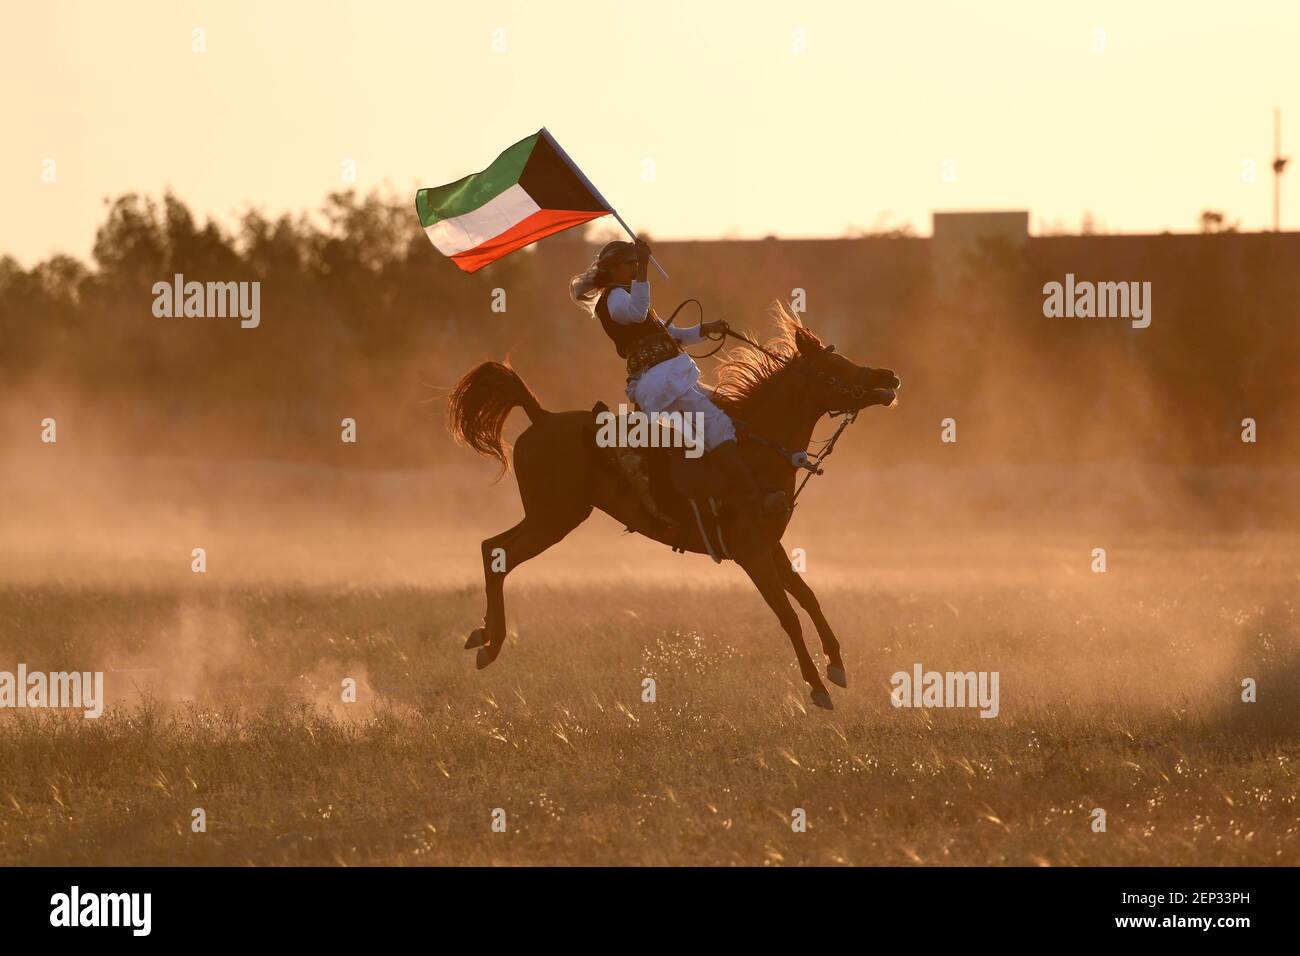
[741, 479]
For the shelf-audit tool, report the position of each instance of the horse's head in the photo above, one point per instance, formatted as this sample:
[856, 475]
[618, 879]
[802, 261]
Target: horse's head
[835, 383]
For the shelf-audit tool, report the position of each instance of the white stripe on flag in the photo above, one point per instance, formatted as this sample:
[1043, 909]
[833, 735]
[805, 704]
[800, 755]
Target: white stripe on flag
[461, 233]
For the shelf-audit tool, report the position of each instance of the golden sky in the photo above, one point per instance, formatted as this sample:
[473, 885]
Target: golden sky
[695, 119]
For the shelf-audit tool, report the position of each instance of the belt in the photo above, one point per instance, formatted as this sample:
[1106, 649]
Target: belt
[656, 351]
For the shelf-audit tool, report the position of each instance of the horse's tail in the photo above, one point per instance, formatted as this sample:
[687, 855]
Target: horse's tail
[480, 404]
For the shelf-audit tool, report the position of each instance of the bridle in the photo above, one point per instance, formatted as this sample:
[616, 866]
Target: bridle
[809, 461]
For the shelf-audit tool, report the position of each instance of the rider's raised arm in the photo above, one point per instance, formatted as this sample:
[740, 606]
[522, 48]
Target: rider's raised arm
[629, 309]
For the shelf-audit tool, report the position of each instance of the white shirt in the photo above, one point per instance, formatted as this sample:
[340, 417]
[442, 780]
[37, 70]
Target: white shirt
[655, 388]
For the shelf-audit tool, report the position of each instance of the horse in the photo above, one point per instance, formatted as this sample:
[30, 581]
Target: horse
[779, 392]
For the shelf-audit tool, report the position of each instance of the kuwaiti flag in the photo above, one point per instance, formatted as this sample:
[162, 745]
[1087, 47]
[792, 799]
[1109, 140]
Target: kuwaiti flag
[531, 191]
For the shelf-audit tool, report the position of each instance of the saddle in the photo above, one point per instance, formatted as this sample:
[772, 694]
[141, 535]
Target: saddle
[685, 497]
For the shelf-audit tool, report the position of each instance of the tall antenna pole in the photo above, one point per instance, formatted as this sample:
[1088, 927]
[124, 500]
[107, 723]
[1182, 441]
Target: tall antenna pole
[1279, 164]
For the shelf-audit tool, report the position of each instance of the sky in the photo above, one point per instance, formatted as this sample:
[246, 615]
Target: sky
[694, 119]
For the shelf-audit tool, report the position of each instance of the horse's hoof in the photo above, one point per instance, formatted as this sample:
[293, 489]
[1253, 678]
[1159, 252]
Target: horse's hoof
[486, 655]
[477, 638]
[836, 675]
[822, 699]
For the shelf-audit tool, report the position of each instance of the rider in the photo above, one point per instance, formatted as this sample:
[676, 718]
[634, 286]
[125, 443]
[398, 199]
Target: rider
[662, 377]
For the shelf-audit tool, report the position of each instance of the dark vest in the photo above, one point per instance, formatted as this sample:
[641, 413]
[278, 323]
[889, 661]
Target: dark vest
[627, 337]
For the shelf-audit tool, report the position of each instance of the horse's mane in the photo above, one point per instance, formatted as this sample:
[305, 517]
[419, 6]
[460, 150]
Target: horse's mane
[746, 371]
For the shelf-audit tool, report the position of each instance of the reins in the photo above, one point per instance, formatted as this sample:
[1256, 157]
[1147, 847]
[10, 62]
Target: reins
[722, 340]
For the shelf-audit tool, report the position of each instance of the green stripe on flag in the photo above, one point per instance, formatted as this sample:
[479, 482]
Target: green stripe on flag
[466, 195]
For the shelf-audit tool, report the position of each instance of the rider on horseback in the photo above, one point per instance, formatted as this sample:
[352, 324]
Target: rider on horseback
[662, 377]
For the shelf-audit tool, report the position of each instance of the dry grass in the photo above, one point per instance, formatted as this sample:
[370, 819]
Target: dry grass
[1117, 691]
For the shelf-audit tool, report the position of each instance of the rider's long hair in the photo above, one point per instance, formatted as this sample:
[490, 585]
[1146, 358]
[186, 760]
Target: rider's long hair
[586, 287]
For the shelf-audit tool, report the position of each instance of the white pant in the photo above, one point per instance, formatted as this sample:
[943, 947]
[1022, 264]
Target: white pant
[717, 426]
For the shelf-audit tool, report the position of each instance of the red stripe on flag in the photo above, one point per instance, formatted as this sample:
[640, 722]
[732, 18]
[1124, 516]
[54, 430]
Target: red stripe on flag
[543, 223]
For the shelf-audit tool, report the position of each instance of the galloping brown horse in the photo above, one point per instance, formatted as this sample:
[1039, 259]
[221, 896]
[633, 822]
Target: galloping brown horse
[780, 394]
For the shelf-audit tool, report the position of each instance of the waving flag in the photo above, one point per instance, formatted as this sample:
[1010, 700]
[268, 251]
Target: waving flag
[531, 191]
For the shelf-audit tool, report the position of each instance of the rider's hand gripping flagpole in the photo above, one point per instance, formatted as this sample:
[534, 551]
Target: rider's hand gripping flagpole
[595, 192]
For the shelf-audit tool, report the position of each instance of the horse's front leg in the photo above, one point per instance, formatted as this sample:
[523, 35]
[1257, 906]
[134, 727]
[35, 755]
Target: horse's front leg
[766, 575]
[794, 583]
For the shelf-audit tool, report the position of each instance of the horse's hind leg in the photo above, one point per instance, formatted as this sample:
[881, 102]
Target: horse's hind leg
[493, 555]
[553, 470]
[798, 589]
[501, 555]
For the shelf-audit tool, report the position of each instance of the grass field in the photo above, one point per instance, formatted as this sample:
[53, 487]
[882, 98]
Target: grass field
[1118, 691]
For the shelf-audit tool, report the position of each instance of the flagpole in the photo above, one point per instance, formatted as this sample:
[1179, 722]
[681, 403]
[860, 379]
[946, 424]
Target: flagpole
[595, 192]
